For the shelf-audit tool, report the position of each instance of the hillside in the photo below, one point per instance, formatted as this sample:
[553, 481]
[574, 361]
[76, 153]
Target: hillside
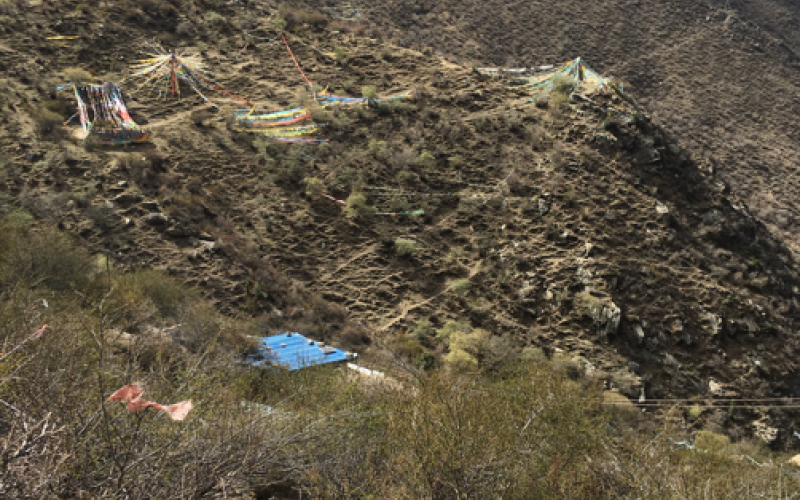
[722, 82]
[617, 235]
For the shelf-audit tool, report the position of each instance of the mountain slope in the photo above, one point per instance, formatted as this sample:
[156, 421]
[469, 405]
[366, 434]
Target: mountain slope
[581, 226]
[724, 82]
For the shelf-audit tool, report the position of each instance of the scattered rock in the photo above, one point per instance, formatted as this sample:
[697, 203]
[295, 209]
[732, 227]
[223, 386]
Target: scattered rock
[714, 322]
[712, 218]
[639, 331]
[126, 199]
[605, 314]
[118, 338]
[765, 433]
[584, 275]
[670, 361]
[647, 156]
[150, 205]
[544, 207]
[179, 232]
[715, 389]
[661, 208]
[156, 219]
[209, 246]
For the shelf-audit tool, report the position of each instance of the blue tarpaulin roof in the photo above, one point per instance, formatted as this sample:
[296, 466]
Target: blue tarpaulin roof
[295, 351]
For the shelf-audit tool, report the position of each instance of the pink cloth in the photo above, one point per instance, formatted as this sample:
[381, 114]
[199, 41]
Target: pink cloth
[132, 393]
[38, 333]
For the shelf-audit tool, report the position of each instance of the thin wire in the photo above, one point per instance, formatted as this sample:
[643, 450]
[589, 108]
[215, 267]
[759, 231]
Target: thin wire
[645, 405]
[736, 400]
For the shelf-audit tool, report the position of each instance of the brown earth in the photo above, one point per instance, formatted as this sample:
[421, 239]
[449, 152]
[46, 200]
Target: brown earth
[582, 210]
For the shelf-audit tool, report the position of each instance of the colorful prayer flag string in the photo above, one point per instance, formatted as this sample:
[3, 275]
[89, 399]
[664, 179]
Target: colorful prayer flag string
[329, 100]
[165, 72]
[575, 72]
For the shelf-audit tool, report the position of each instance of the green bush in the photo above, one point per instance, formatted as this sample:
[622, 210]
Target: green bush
[379, 149]
[470, 349]
[421, 330]
[340, 54]
[451, 328]
[369, 92]
[398, 203]
[404, 177]
[279, 24]
[405, 247]
[711, 442]
[357, 205]
[407, 347]
[426, 160]
[314, 187]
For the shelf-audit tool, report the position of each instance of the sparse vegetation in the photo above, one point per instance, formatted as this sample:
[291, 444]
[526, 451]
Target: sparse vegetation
[460, 286]
[77, 76]
[404, 247]
[340, 54]
[46, 121]
[532, 224]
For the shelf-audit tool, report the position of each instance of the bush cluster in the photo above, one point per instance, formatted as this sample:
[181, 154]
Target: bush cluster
[486, 426]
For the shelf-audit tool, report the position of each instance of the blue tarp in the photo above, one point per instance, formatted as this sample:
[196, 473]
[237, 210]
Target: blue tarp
[294, 351]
